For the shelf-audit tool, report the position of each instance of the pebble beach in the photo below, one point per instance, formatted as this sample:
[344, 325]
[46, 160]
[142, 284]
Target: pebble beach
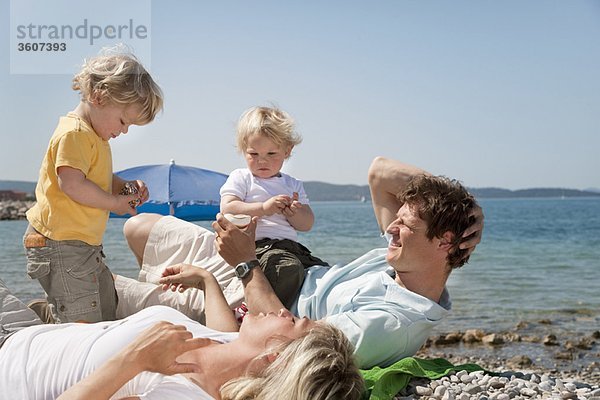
[501, 386]
[524, 363]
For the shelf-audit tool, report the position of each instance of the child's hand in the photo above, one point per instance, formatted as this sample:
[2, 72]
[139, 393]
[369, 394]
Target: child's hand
[294, 206]
[276, 204]
[143, 192]
[121, 204]
[292, 209]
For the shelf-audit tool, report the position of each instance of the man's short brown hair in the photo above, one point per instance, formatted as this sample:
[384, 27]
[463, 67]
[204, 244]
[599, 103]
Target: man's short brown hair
[445, 205]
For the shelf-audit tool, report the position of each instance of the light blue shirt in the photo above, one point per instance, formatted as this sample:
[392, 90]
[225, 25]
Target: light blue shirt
[384, 321]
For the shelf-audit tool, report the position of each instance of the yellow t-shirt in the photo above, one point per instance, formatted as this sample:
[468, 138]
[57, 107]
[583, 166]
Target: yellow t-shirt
[55, 215]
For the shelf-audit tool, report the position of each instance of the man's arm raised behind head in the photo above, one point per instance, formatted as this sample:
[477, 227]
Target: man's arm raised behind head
[387, 178]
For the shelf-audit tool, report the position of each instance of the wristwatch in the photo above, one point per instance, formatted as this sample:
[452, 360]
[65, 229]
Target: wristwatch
[243, 269]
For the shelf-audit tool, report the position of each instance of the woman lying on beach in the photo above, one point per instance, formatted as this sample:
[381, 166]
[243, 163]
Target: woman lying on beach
[274, 356]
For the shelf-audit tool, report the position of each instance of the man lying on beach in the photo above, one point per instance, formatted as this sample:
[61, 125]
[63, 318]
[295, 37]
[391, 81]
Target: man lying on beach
[386, 301]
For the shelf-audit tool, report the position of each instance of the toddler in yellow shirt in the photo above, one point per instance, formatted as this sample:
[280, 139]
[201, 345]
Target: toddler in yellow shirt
[77, 189]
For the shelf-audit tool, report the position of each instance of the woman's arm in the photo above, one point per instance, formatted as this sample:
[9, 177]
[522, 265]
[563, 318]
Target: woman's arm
[218, 314]
[155, 350]
[105, 381]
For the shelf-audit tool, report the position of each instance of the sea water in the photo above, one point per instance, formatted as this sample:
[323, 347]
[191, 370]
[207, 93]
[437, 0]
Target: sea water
[539, 259]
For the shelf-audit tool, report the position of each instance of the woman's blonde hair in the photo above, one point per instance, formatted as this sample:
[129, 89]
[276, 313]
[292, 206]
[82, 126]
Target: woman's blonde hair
[318, 366]
[270, 122]
[118, 77]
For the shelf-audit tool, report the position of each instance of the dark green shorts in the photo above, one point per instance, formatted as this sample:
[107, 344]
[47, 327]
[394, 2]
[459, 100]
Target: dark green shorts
[283, 262]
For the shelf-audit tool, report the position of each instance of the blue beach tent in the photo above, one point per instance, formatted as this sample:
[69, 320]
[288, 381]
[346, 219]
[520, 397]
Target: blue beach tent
[188, 193]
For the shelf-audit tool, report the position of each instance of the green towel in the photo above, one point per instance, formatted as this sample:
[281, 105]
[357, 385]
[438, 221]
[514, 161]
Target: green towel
[385, 383]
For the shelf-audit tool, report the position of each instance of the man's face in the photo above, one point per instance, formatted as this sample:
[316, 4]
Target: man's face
[409, 246]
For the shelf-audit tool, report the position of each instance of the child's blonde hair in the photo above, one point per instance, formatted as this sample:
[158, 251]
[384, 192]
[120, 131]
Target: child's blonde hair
[270, 122]
[118, 77]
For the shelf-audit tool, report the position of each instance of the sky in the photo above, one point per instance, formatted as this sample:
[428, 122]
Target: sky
[493, 93]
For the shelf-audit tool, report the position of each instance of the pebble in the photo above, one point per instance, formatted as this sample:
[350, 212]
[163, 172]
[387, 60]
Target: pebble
[568, 395]
[463, 396]
[448, 395]
[439, 391]
[471, 389]
[481, 380]
[528, 392]
[423, 391]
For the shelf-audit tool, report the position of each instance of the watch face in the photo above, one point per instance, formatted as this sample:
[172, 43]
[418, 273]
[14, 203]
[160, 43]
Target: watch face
[241, 270]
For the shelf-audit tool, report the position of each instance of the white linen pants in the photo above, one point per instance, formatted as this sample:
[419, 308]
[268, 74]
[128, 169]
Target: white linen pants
[173, 241]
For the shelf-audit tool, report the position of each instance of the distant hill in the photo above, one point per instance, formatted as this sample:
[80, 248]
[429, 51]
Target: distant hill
[321, 191]
[18, 186]
[530, 193]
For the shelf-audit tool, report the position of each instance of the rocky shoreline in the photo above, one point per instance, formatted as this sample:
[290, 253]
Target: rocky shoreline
[521, 364]
[14, 209]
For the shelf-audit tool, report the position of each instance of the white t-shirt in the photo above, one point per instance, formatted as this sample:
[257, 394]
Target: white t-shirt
[251, 189]
[384, 321]
[41, 362]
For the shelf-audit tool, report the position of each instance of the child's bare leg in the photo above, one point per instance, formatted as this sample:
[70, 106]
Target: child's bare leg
[136, 231]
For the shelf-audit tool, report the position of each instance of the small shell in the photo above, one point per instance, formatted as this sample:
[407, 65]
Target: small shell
[128, 189]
